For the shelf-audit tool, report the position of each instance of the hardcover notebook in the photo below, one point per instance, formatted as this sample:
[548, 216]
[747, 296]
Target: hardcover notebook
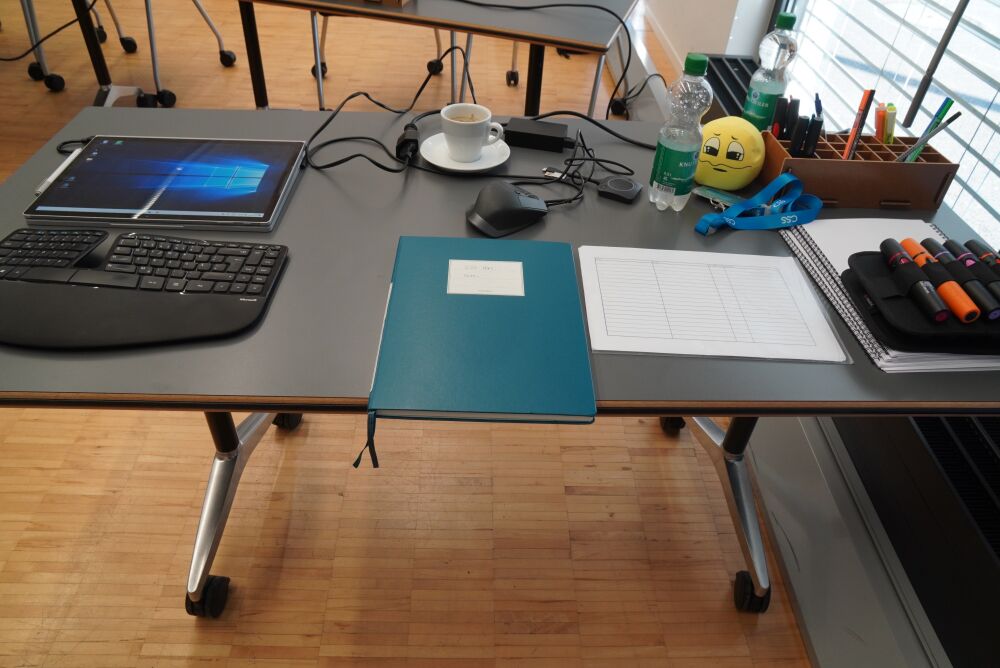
[481, 329]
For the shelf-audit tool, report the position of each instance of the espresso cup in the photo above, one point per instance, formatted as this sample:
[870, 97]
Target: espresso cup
[467, 129]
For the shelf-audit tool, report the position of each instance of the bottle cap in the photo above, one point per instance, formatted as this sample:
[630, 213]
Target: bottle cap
[696, 64]
[786, 21]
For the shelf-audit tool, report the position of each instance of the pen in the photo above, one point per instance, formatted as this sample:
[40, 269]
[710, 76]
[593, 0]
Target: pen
[859, 124]
[50, 179]
[890, 124]
[973, 286]
[791, 114]
[989, 278]
[819, 108]
[780, 107]
[912, 153]
[797, 139]
[940, 114]
[812, 136]
[880, 122]
[921, 292]
[950, 292]
[984, 253]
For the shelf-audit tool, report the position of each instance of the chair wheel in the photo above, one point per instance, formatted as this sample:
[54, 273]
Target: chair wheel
[671, 425]
[288, 421]
[512, 77]
[128, 44]
[35, 71]
[322, 66]
[166, 98]
[145, 100]
[227, 58]
[102, 34]
[744, 597]
[435, 66]
[213, 599]
[54, 82]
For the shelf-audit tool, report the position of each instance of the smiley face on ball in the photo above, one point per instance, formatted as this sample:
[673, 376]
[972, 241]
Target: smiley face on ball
[731, 155]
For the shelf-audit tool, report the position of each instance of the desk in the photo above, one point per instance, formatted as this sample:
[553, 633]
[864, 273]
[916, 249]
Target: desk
[316, 348]
[582, 29]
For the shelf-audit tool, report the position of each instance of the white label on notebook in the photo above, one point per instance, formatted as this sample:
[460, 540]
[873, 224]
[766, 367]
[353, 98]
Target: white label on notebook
[485, 277]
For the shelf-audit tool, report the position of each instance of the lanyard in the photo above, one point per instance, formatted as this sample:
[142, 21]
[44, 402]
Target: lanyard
[792, 208]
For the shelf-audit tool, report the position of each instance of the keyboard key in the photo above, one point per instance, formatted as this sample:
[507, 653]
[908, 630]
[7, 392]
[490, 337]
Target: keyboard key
[193, 275]
[152, 283]
[123, 259]
[145, 270]
[156, 253]
[204, 257]
[173, 264]
[234, 265]
[103, 278]
[129, 243]
[188, 266]
[16, 273]
[244, 278]
[218, 276]
[199, 286]
[161, 271]
[172, 255]
[254, 289]
[122, 250]
[255, 257]
[176, 285]
[219, 266]
[187, 257]
[267, 263]
[259, 280]
[123, 268]
[157, 261]
[242, 252]
[221, 287]
[263, 271]
[238, 288]
[177, 273]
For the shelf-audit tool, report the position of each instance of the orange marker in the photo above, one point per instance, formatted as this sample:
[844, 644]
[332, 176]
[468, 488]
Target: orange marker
[951, 292]
[880, 122]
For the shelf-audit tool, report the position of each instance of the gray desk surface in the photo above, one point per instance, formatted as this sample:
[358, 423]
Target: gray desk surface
[316, 347]
[576, 28]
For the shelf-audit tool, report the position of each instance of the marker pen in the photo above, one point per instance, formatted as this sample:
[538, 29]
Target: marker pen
[973, 287]
[950, 291]
[922, 292]
[988, 278]
[983, 252]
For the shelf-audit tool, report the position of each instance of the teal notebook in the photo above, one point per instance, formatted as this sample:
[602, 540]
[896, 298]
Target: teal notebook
[482, 329]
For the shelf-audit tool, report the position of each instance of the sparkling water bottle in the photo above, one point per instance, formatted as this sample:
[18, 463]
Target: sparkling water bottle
[688, 99]
[768, 83]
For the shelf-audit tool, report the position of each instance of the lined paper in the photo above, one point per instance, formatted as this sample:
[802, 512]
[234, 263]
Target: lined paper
[692, 303]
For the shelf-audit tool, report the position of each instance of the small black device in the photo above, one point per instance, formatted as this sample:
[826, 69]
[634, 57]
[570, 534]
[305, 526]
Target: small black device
[502, 208]
[541, 135]
[57, 290]
[620, 188]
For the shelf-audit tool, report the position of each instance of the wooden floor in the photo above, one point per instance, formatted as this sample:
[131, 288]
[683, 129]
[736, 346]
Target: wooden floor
[473, 545]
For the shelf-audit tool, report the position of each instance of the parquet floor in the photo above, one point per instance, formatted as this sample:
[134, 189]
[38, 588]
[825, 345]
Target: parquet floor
[473, 545]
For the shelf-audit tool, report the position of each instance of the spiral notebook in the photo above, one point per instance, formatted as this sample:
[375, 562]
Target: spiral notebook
[823, 248]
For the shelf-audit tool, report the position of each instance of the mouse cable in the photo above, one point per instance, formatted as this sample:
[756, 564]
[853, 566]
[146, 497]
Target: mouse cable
[619, 105]
[63, 147]
[613, 133]
[11, 59]
[570, 5]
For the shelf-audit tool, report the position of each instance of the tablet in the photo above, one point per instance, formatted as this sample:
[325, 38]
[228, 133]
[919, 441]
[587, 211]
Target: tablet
[171, 182]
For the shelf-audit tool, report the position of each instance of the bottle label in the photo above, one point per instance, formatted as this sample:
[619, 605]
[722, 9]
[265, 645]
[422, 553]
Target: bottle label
[759, 108]
[674, 168]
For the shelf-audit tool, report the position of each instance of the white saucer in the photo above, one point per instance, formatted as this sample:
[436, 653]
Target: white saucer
[435, 151]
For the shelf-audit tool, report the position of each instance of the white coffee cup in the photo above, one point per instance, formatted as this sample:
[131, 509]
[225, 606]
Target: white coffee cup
[467, 129]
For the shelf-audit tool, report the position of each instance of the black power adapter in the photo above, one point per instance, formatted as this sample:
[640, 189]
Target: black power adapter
[539, 135]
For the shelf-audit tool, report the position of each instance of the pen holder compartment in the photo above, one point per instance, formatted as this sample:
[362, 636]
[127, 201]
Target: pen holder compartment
[871, 179]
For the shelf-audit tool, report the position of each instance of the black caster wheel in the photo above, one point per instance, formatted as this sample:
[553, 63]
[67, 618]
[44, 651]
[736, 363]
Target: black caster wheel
[54, 82]
[671, 425]
[322, 67]
[435, 66]
[145, 100]
[213, 599]
[166, 98]
[35, 72]
[102, 34]
[128, 44]
[618, 107]
[227, 58]
[288, 421]
[512, 77]
[745, 598]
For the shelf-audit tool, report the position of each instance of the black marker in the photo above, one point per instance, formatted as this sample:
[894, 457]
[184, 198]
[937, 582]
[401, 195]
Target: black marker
[984, 253]
[980, 270]
[921, 292]
[987, 304]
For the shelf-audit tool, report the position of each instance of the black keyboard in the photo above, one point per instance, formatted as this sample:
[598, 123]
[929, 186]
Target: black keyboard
[58, 291]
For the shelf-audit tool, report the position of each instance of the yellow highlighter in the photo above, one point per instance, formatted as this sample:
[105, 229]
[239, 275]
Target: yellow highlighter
[889, 135]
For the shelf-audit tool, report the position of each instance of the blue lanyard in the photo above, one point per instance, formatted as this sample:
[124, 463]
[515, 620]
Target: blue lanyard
[792, 208]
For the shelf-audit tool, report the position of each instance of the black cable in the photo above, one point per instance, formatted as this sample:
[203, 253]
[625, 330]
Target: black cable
[11, 59]
[613, 133]
[633, 93]
[63, 147]
[574, 5]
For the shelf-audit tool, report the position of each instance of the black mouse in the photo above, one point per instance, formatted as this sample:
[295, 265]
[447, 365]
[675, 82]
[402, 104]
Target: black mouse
[503, 209]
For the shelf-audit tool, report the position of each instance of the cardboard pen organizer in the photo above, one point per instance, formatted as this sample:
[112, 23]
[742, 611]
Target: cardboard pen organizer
[872, 179]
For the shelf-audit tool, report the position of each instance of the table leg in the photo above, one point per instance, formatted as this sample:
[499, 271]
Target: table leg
[727, 448]
[206, 594]
[454, 78]
[93, 45]
[254, 60]
[465, 66]
[597, 85]
[533, 97]
[318, 57]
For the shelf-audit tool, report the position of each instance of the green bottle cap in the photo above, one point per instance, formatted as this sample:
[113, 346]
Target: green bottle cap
[696, 64]
[786, 21]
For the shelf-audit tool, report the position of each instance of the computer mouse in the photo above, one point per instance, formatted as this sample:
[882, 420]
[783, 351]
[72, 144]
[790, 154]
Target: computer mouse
[502, 208]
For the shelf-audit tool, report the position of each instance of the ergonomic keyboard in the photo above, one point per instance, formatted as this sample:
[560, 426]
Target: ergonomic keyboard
[57, 290]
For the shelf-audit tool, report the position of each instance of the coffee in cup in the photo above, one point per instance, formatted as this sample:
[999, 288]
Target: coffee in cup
[467, 129]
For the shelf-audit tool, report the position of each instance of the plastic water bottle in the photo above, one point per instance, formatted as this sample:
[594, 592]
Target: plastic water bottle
[777, 50]
[688, 99]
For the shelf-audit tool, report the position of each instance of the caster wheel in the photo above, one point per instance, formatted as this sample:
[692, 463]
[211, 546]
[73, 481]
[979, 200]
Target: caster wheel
[227, 58]
[55, 83]
[35, 72]
[166, 98]
[145, 100]
[288, 421]
[102, 34]
[213, 599]
[671, 425]
[322, 67]
[745, 598]
[512, 77]
[128, 44]
[618, 107]
[435, 66]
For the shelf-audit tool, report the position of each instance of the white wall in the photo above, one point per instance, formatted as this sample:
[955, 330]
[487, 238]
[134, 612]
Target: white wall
[708, 26]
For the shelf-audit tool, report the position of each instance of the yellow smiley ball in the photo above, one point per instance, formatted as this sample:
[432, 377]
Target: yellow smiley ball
[731, 154]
